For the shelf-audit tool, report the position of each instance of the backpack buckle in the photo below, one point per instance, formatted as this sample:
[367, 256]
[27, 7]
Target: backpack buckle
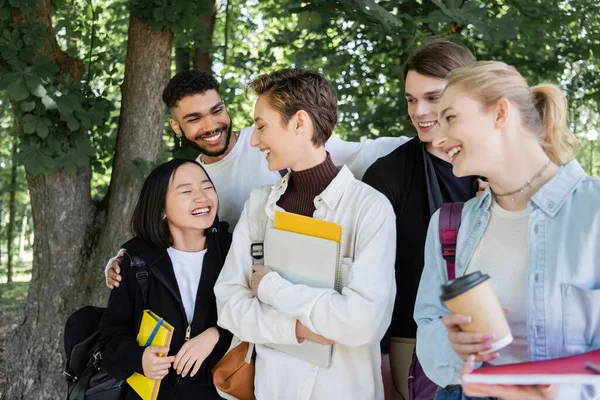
[257, 250]
[449, 252]
[141, 275]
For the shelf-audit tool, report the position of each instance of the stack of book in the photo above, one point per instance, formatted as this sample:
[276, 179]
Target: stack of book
[306, 251]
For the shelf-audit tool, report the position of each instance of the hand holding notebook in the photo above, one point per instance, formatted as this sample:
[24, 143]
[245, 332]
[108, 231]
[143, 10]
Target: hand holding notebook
[156, 333]
[573, 369]
[305, 251]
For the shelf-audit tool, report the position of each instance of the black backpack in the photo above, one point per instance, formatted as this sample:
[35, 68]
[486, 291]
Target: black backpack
[86, 380]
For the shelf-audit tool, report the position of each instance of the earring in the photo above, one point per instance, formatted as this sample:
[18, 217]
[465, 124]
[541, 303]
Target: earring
[179, 136]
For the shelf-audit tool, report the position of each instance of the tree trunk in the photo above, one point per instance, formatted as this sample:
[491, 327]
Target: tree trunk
[139, 140]
[23, 233]
[10, 229]
[183, 58]
[73, 236]
[203, 56]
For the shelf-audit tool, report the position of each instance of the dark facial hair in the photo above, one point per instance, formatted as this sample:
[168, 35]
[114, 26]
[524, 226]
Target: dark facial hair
[217, 153]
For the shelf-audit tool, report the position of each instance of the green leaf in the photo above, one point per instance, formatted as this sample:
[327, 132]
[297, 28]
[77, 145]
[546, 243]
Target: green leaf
[17, 90]
[73, 101]
[35, 86]
[170, 14]
[30, 122]
[4, 14]
[158, 14]
[70, 168]
[49, 103]
[72, 123]
[41, 129]
[63, 106]
[28, 106]
[454, 4]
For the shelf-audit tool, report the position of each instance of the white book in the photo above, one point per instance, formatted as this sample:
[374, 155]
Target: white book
[307, 260]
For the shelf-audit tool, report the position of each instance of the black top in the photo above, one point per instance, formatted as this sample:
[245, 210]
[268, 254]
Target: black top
[415, 194]
[119, 325]
[304, 186]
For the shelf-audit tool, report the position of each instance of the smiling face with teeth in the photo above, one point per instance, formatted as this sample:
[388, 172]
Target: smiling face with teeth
[191, 203]
[468, 134]
[202, 119]
[423, 94]
[280, 142]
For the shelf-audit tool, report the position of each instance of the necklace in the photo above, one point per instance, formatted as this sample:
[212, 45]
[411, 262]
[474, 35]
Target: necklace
[527, 184]
[236, 135]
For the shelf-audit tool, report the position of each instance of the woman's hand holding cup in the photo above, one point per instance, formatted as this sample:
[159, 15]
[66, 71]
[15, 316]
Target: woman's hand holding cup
[467, 343]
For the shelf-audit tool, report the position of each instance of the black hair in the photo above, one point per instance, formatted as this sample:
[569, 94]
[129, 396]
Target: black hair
[147, 220]
[187, 83]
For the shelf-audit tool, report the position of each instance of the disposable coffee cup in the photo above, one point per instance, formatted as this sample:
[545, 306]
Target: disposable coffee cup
[473, 295]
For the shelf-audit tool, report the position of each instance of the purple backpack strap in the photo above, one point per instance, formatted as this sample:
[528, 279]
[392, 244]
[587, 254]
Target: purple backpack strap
[450, 216]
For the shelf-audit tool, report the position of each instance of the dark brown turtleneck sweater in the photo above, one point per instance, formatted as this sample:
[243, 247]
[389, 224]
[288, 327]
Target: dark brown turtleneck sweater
[304, 186]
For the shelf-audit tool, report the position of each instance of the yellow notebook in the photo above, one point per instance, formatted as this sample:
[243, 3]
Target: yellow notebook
[296, 223]
[147, 388]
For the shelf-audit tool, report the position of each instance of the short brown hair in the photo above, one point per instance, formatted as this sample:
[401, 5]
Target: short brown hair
[293, 89]
[438, 58]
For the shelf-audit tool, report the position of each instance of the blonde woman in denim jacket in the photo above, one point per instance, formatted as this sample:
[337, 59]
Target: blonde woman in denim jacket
[535, 231]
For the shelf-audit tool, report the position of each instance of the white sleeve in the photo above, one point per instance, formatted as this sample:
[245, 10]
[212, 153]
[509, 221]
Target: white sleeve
[109, 263]
[239, 311]
[358, 156]
[362, 312]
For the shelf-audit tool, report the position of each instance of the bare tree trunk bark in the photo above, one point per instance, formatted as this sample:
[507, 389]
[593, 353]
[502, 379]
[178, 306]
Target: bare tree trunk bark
[73, 236]
[183, 58]
[203, 56]
[10, 229]
[23, 233]
[139, 139]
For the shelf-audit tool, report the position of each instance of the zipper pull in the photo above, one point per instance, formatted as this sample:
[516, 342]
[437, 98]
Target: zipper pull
[188, 331]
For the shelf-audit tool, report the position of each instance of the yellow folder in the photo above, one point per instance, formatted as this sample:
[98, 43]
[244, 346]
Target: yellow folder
[296, 223]
[147, 388]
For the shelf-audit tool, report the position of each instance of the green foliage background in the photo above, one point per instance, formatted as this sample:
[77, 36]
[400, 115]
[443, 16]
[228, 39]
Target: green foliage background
[361, 45]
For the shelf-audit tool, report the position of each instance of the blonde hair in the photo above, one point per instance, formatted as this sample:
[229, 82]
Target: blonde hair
[543, 107]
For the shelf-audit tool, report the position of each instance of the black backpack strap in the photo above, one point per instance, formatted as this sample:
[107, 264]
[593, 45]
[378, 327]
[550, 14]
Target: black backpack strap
[141, 274]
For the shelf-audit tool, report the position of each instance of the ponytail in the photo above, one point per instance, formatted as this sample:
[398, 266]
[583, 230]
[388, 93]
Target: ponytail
[559, 143]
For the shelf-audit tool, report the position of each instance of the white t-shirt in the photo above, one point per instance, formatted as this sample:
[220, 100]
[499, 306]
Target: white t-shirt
[246, 168]
[503, 254]
[188, 270]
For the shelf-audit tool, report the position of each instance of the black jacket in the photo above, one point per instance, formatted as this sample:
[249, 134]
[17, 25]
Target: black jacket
[408, 178]
[119, 325]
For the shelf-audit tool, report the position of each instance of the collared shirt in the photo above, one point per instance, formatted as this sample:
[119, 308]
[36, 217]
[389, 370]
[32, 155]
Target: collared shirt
[356, 319]
[563, 288]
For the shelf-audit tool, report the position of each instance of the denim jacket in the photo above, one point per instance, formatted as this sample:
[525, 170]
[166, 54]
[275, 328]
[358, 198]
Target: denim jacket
[563, 297]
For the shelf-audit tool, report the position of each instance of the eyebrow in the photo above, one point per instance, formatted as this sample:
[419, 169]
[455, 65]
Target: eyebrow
[200, 115]
[432, 93]
[444, 111]
[189, 184]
